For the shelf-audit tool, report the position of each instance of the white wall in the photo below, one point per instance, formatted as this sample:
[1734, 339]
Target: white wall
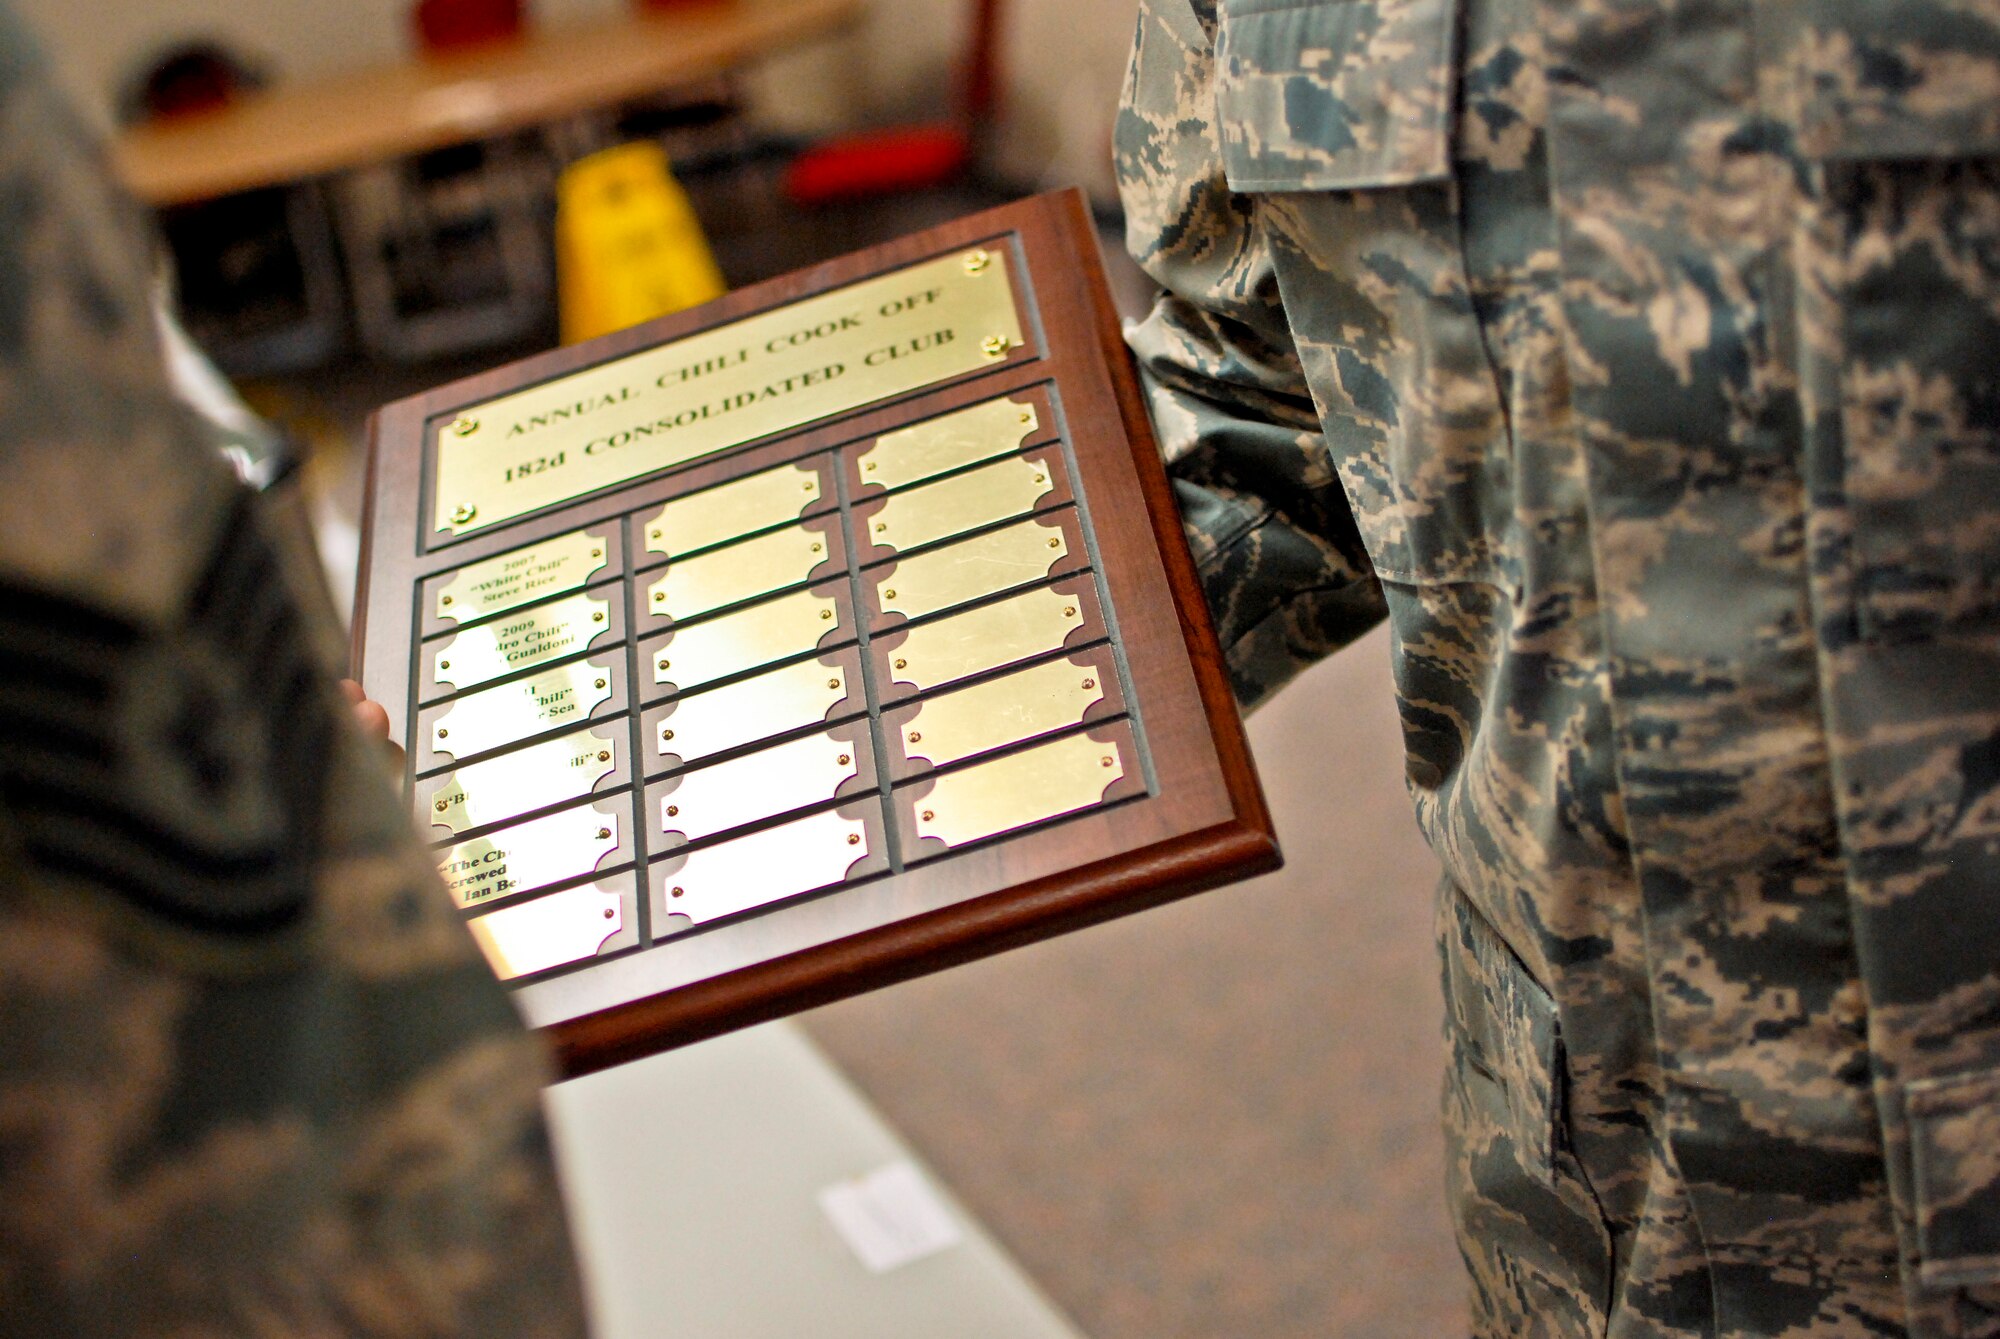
[1062, 60]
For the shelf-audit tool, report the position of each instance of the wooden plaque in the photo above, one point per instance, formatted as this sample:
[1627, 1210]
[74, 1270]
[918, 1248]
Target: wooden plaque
[832, 633]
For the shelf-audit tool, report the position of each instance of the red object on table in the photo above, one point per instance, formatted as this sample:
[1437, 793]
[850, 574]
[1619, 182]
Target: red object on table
[449, 25]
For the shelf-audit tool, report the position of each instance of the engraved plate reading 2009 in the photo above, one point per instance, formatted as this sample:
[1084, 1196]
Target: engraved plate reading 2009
[543, 851]
[549, 568]
[947, 442]
[737, 508]
[990, 798]
[986, 638]
[765, 867]
[548, 931]
[956, 573]
[515, 783]
[513, 711]
[534, 638]
[780, 369]
[1001, 711]
[787, 626]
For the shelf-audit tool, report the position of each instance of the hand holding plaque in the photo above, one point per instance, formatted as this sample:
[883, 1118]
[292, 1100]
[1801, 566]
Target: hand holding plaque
[834, 632]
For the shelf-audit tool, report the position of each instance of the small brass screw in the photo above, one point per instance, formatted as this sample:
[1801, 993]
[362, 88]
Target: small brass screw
[659, 596]
[656, 534]
[604, 755]
[995, 346]
[869, 466]
[600, 683]
[881, 527]
[1041, 478]
[928, 815]
[1069, 611]
[442, 806]
[666, 734]
[603, 833]
[810, 485]
[845, 759]
[610, 913]
[675, 893]
[597, 553]
[816, 547]
[597, 617]
[1027, 416]
[833, 683]
[444, 664]
[1090, 683]
[916, 737]
[902, 663]
[826, 613]
[673, 811]
[463, 513]
[1055, 543]
[854, 839]
[1106, 761]
[445, 600]
[666, 664]
[977, 261]
[442, 734]
[888, 595]
[464, 427]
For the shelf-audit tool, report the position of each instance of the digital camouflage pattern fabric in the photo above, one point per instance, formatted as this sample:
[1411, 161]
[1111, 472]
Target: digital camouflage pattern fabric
[254, 1078]
[1637, 361]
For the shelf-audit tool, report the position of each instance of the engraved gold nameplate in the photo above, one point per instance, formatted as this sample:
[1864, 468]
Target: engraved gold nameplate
[758, 785]
[764, 867]
[713, 515]
[499, 716]
[547, 850]
[787, 626]
[498, 584]
[667, 405]
[530, 778]
[547, 932]
[986, 638]
[740, 572]
[1001, 711]
[956, 573]
[1040, 783]
[752, 709]
[533, 637]
[947, 442]
[963, 502]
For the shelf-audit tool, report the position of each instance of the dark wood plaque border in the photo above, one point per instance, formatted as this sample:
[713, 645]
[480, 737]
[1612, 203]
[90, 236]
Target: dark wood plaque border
[1203, 824]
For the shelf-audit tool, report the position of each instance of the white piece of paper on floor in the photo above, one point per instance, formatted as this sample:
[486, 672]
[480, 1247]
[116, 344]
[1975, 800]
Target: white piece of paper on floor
[889, 1217]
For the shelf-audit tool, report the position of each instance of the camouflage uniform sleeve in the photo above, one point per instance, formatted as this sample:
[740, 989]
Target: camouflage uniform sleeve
[1281, 560]
[254, 1078]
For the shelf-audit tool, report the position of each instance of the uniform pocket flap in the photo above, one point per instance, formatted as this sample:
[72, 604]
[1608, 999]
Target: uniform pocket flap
[1955, 1173]
[1899, 79]
[1334, 94]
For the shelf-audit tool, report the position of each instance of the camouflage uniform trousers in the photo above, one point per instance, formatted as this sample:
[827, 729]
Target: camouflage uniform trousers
[254, 1077]
[1639, 362]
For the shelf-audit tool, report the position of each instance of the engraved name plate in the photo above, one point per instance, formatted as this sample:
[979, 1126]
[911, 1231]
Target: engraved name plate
[963, 502]
[988, 637]
[527, 779]
[1001, 711]
[787, 626]
[546, 932]
[741, 713]
[495, 717]
[740, 572]
[764, 867]
[498, 584]
[1031, 786]
[758, 785]
[945, 443]
[956, 573]
[741, 507]
[533, 637]
[780, 369]
[529, 855]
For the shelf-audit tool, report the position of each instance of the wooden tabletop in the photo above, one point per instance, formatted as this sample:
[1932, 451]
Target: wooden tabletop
[303, 130]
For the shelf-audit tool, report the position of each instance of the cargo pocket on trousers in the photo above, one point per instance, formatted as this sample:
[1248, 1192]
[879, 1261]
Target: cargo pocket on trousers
[1955, 1177]
[1339, 113]
[1528, 1225]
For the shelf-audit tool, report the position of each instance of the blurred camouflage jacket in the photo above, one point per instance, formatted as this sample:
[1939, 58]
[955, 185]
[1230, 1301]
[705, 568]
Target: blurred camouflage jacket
[1640, 362]
[254, 1078]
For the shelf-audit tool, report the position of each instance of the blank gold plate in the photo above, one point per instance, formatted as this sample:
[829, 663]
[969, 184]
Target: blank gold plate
[763, 867]
[1000, 711]
[958, 504]
[947, 442]
[992, 562]
[546, 932]
[989, 798]
[787, 626]
[948, 649]
[740, 572]
[758, 785]
[741, 507]
[750, 709]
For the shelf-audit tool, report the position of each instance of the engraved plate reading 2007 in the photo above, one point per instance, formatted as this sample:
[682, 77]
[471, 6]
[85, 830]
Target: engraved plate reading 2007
[990, 798]
[548, 931]
[787, 626]
[765, 867]
[549, 568]
[770, 704]
[736, 508]
[947, 442]
[516, 783]
[534, 638]
[1001, 711]
[513, 711]
[956, 573]
[780, 369]
[759, 785]
[543, 851]
[986, 638]
[740, 572]
[958, 504]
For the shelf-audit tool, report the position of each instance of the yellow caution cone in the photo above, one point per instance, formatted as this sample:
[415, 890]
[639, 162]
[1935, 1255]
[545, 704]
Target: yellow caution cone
[628, 246]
